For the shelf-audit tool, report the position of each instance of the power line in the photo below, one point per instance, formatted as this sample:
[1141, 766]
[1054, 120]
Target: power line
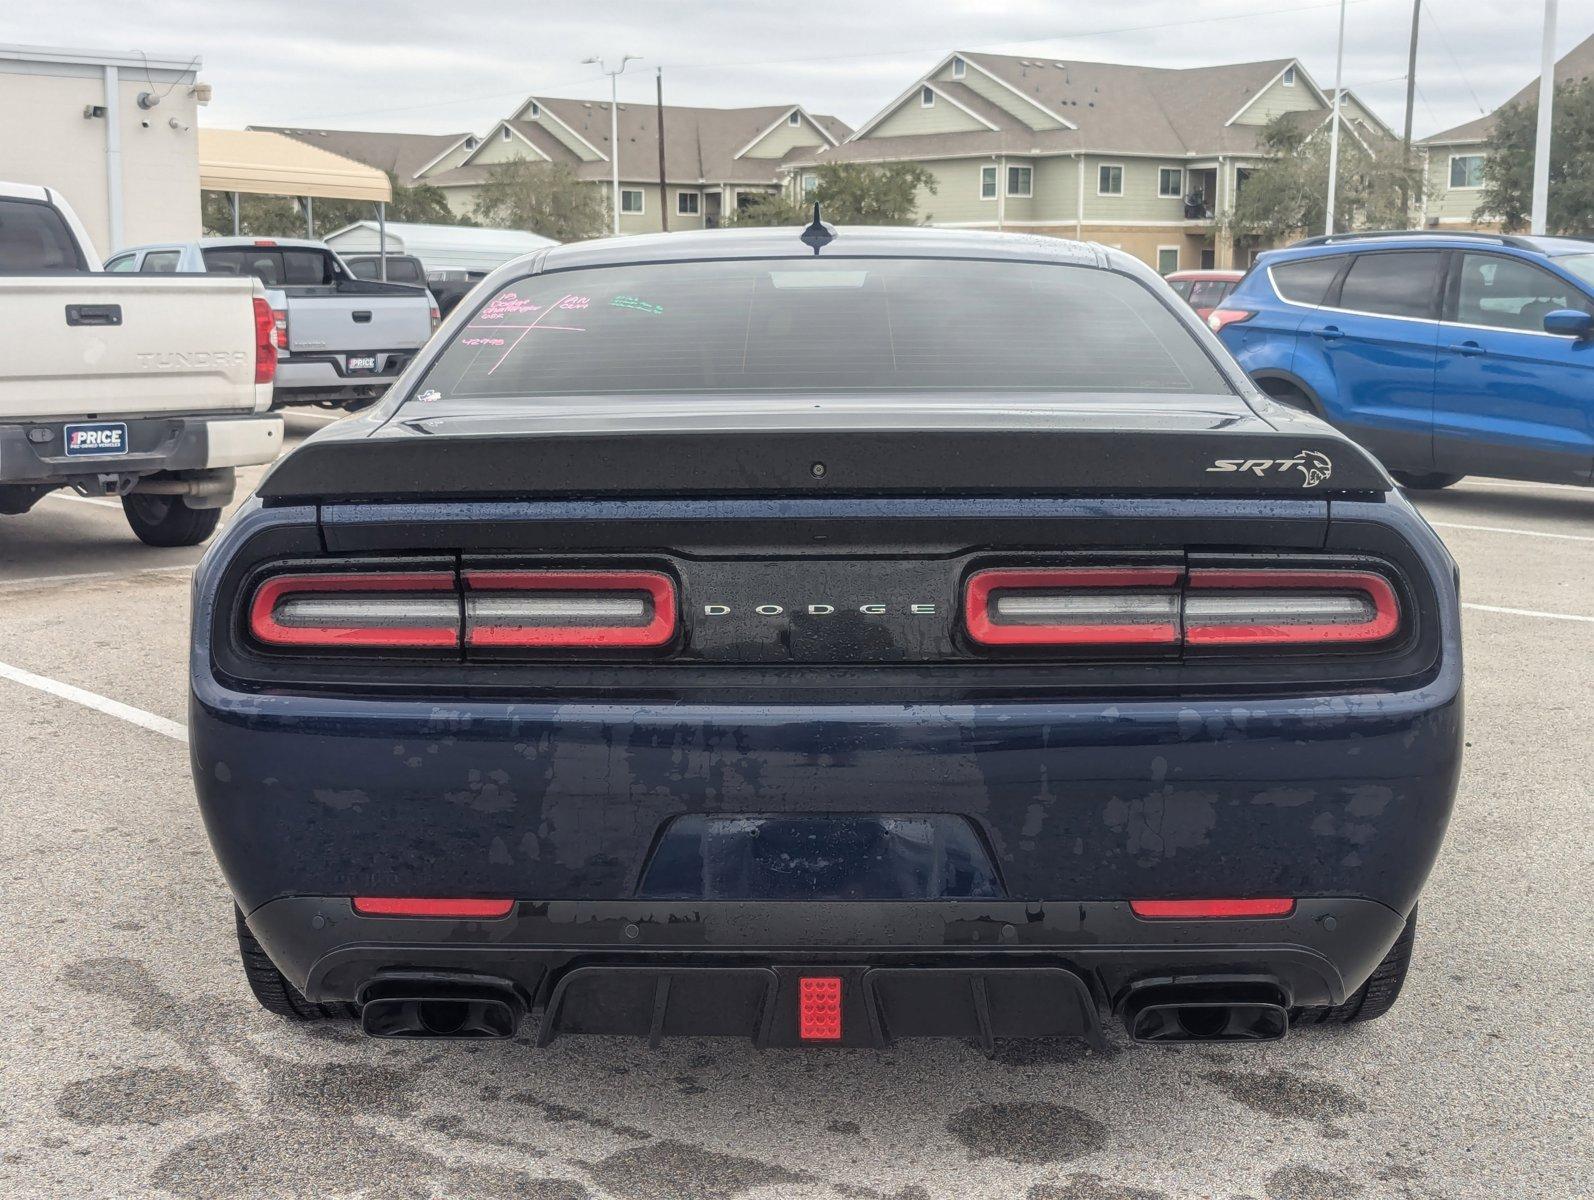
[1445, 42]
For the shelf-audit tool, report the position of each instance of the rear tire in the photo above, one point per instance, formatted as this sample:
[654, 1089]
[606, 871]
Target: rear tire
[168, 521]
[1375, 997]
[1425, 481]
[271, 986]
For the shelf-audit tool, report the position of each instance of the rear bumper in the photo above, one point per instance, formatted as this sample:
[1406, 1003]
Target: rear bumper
[594, 966]
[307, 377]
[33, 452]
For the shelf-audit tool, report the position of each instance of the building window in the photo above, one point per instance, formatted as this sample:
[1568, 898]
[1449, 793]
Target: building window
[987, 183]
[534, 111]
[503, 133]
[1170, 183]
[1020, 181]
[794, 117]
[810, 184]
[958, 68]
[686, 204]
[1466, 170]
[1109, 180]
[471, 143]
[926, 97]
[1288, 78]
[1167, 259]
[631, 200]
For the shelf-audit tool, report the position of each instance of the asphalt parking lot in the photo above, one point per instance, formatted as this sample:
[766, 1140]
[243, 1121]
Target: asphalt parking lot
[134, 1062]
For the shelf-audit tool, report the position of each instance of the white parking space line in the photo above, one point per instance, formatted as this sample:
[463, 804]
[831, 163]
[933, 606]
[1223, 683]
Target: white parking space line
[39, 581]
[1525, 485]
[1529, 612]
[1538, 533]
[76, 499]
[104, 704]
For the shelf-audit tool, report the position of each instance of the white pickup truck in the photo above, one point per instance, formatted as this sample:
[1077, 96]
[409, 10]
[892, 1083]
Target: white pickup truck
[342, 339]
[151, 389]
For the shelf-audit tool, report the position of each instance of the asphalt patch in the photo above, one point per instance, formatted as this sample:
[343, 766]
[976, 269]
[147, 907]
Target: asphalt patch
[1027, 1132]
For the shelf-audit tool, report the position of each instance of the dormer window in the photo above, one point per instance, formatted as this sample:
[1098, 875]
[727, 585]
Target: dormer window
[794, 117]
[958, 67]
[471, 143]
[503, 133]
[533, 111]
[1288, 79]
[926, 97]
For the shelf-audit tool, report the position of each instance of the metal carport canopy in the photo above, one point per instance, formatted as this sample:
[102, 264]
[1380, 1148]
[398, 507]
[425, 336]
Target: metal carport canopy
[268, 164]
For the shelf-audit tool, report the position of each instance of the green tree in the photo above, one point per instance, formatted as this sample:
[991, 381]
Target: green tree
[543, 198]
[1288, 194]
[1508, 163]
[850, 194]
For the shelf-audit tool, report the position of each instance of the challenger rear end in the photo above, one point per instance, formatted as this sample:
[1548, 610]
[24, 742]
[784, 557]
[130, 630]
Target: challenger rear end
[825, 641]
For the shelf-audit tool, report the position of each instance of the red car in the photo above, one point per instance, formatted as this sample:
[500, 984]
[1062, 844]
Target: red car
[1204, 290]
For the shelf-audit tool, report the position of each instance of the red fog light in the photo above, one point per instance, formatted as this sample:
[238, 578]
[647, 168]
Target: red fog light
[381, 609]
[569, 609]
[819, 1008]
[1187, 910]
[1073, 606]
[415, 906]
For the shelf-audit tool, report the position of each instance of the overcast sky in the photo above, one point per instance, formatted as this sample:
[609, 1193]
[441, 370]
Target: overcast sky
[441, 66]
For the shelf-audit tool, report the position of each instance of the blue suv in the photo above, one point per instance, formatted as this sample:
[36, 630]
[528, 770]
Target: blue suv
[1446, 354]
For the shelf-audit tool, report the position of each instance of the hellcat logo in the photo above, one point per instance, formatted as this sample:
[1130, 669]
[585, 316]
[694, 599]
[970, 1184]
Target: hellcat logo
[1315, 467]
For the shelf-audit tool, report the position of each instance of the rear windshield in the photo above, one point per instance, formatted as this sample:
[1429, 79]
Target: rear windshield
[288, 266]
[1209, 293]
[823, 325]
[33, 237]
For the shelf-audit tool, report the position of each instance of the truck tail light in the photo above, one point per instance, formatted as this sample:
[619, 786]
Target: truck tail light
[1220, 318]
[1280, 608]
[437, 318]
[280, 319]
[1074, 606]
[386, 610]
[265, 342]
[569, 609]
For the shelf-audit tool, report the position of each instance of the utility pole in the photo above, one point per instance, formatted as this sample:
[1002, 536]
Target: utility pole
[1333, 136]
[614, 127]
[1541, 143]
[664, 205]
[1405, 138]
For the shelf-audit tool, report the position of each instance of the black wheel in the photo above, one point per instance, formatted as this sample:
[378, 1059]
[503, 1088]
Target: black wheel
[1425, 481]
[272, 989]
[1375, 997]
[167, 521]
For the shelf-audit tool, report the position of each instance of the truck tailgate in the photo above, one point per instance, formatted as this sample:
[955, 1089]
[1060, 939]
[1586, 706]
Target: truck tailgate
[119, 345]
[358, 316]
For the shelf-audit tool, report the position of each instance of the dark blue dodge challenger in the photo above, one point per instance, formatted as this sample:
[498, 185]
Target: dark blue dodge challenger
[827, 637]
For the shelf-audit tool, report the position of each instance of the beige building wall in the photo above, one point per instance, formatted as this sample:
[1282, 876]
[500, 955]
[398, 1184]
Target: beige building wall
[46, 140]
[787, 136]
[911, 117]
[1279, 98]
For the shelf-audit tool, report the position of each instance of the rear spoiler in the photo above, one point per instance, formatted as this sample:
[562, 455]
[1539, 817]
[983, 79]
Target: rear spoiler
[420, 460]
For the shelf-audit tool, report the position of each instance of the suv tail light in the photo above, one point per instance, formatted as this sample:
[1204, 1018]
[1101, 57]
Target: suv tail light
[569, 609]
[379, 609]
[1219, 318]
[1166, 606]
[1074, 606]
[1277, 608]
[265, 342]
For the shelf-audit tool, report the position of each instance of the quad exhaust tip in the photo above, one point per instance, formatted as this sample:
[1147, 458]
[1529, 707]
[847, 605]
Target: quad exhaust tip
[1207, 1011]
[435, 1005]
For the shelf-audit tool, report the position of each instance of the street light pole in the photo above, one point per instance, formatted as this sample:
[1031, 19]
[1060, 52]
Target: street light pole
[614, 129]
[1541, 143]
[1333, 136]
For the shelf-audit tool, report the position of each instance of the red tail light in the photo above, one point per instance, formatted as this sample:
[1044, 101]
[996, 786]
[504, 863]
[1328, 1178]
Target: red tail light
[380, 609]
[819, 1008]
[265, 342]
[437, 318]
[1187, 910]
[280, 316]
[1074, 606]
[1279, 608]
[1220, 318]
[569, 609]
[415, 906]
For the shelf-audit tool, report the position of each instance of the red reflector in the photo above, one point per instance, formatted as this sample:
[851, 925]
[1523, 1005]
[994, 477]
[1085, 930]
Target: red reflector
[1218, 318]
[1197, 909]
[412, 906]
[1073, 606]
[265, 341]
[379, 609]
[819, 1008]
[1278, 608]
[569, 609]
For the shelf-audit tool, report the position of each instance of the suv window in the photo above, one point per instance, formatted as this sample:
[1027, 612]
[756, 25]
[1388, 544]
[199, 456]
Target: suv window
[1507, 293]
[399, 270]
[290, 266]
[1306, 280]
[821, 325]
[159, 262]
[33, 237]
[1392, 283]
